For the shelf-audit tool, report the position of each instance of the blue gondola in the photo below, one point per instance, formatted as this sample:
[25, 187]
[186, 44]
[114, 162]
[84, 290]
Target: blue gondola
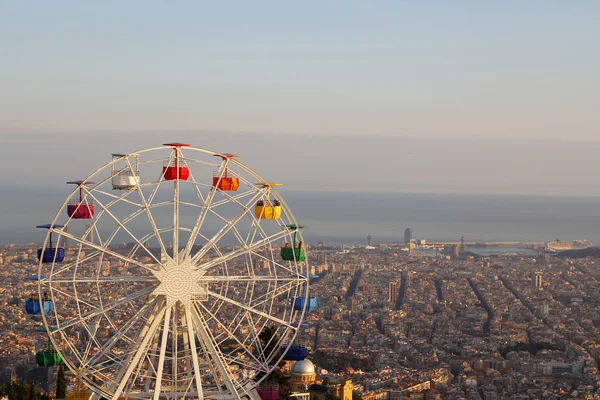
[36, 278]
[302, 326]
[295, 353]
[51, 254]
[32, 306]
[311, 276]
[300, 304]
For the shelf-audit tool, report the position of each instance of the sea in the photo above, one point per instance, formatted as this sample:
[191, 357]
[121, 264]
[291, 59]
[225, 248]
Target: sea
[349, 217]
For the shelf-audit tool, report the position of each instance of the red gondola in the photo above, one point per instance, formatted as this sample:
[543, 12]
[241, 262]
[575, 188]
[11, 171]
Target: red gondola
[80, 208]
[175, 169]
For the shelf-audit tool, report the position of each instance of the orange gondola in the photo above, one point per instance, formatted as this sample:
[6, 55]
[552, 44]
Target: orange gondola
[227, 181]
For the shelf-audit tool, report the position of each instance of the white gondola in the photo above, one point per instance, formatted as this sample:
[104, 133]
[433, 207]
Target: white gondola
[125, 171]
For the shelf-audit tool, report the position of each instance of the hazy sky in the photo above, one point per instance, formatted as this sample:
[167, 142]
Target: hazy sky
[328, 162]
[522, 69]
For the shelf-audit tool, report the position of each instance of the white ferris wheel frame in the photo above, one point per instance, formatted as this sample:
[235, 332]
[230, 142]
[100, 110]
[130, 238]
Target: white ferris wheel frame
[171, 310]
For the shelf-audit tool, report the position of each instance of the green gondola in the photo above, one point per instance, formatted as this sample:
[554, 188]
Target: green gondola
[296, 252]
[49, 357]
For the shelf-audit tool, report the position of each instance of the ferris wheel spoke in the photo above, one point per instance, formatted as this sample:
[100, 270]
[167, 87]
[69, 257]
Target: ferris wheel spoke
[109, 252]
[101, 310]
[146, 209]
[276, 264]
[252, 310]
[200, 221]
[115, 197]
[194, 352]
[256, 341]
[76, 262]
[197, 190]
[215, 354]
[101, 213]
[250, 278]
[222, 232]
[273, 293]
[123, 227]
[255, 222]
[134, 358]
[163, 350]
[73, 296]
[206, 205]
[110, 279]
[229, 198]
[227, 331]
[122, 332]
[243, 250]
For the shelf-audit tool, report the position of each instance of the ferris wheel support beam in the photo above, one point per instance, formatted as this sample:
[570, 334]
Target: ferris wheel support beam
[163, 350]
[120, 333]
[194, 352]
[229, 334]
[174, 347]
[141, 346]
[215, 353]
[97, 312]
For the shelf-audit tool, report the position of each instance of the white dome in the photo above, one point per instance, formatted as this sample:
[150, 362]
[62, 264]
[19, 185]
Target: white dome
[303, 367]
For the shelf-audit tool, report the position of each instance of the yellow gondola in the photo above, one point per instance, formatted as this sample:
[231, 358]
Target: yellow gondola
[268, 208]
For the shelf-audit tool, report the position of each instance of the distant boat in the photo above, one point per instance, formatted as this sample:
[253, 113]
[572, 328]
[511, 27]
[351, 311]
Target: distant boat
[559, 245]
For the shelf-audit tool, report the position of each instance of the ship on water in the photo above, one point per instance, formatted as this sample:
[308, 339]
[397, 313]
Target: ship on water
[559, 245]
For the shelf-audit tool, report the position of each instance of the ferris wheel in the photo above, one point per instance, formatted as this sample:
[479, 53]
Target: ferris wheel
[164, 269]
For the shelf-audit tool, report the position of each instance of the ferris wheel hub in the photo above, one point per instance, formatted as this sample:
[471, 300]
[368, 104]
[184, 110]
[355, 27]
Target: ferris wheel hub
[179, 282]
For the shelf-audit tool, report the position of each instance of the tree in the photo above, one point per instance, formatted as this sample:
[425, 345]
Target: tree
[61, 383]
[32, 395]
[356, 395]
[269, 339]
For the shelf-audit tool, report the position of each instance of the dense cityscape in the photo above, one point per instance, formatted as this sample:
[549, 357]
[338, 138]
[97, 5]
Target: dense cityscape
[392, 324]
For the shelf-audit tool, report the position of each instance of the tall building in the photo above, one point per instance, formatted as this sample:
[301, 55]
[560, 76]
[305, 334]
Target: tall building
[455, 251]
[393, 292]
[539, 281]
[353, 304]
[369, 240]
[407, 235]
[544, 310]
